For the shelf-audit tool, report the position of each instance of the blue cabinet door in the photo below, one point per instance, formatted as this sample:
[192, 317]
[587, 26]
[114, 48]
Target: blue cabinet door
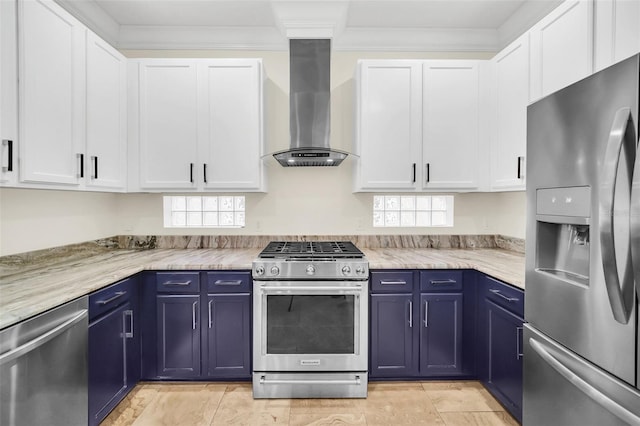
[392, 336]
[178, 336]
[505, 357]
[107, 368]
[440, 334]
[228, 322]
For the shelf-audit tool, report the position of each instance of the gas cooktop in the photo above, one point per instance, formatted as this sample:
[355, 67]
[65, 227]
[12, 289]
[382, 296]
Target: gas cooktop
[327, 260]
[311, 249]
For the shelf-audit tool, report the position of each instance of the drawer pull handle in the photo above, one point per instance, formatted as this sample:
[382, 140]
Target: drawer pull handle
[228, 282]
[118, 295]
[397, 282]
[499, 294]
[177, 283]
[442, 282]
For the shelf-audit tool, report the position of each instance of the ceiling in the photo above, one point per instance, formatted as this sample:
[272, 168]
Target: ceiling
[376, 25]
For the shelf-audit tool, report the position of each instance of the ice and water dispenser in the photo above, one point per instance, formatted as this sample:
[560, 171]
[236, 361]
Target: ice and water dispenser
[563, 233]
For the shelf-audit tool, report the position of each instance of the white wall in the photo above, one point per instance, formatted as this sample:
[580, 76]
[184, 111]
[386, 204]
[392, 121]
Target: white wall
[36, 219]
[310, 201]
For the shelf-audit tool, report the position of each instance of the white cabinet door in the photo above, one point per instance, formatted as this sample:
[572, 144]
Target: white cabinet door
[168, 131]
[509, 146]
[8, 95]
[106, 115]
[51, 97]
[389, 124]
[231, 147]
[617, 31]
[450, 125]
[561, 48]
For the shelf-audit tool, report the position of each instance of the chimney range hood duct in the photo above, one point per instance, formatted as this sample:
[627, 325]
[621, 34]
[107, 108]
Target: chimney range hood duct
[309, 100]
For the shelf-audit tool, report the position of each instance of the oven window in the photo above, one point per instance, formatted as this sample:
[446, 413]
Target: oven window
[304, 324]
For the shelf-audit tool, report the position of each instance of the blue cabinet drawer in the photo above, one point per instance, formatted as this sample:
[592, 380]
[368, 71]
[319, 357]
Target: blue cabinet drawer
[434, 281]
[392, 281]
[109, 298]
[505, 295]
[228, 282]
[178, 282]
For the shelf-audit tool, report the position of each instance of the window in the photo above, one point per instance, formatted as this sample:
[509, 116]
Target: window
[204, 212]
[412, 210]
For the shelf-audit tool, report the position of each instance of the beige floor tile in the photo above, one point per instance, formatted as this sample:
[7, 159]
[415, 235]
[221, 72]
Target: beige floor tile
[327, 419]
[397, 418]
[327, 405]
[132, 406]
[182, 404]
[464, 397]
[478, 419]
[238, 407]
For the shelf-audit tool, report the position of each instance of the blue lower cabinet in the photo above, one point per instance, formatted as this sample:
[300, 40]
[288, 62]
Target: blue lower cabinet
[178, 336]
[441, 334]
[505, 357]
[228, 335]
[114, 351]
[392, 336]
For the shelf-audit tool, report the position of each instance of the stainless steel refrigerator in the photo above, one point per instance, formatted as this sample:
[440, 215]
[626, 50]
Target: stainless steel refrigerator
[582, 356]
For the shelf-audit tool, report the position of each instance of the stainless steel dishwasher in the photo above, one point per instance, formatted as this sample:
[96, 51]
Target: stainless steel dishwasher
[43, 368]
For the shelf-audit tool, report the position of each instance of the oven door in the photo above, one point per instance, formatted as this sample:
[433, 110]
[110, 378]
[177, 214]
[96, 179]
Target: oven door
[310, 326]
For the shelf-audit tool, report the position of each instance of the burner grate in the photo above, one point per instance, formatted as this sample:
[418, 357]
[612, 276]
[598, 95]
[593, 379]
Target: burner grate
[313, 249]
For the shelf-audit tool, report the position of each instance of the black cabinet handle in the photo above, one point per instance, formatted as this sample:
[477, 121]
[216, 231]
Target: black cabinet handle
[520, 167]
[442, 282]
[414, 173]
[191, 172]
[94, 160]
[428, 173]
[9, 166]
[205, 172]
[81, 160]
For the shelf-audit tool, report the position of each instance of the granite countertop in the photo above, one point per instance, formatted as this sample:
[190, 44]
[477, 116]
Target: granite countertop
[25, 292]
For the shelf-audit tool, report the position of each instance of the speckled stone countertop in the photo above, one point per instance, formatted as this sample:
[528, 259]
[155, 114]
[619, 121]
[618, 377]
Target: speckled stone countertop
[28, 291]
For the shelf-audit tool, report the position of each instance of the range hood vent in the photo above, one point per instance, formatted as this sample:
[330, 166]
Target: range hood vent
[309, 106]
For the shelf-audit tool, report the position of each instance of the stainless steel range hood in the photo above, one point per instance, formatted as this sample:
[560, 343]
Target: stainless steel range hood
[309, 101]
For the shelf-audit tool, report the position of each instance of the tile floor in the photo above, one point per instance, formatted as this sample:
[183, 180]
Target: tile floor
[388, 403]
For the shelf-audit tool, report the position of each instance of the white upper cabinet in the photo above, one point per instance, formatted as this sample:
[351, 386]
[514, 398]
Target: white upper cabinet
[617, 31]
[417, 125]
[8, 95]
[450, 137]
[511, 93]
[52, 76]
[168, 123]
[232, 144]
[388, 124]
[561, 48]
[106, 117]
[200, 124]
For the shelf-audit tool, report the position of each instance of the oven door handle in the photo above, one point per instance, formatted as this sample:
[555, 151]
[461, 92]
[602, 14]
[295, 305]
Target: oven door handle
[264, 381]
[314, 289]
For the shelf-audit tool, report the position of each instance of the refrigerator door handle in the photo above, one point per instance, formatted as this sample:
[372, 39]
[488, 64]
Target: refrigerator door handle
[621, 298]
[634, 223]
[572, 377]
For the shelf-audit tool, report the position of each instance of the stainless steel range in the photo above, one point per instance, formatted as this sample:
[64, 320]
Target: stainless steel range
[310, 321]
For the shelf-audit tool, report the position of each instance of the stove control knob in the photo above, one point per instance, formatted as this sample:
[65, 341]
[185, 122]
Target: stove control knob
[311, 270]
[346, 270]
[259, 270]
[275, 270]
[359, 270]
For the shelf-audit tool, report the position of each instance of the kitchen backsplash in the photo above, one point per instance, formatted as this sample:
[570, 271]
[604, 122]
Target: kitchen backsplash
[25, 261]
[363, 241]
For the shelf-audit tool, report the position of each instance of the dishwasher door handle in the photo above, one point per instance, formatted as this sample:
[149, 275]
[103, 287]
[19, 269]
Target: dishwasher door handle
[42, 339]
